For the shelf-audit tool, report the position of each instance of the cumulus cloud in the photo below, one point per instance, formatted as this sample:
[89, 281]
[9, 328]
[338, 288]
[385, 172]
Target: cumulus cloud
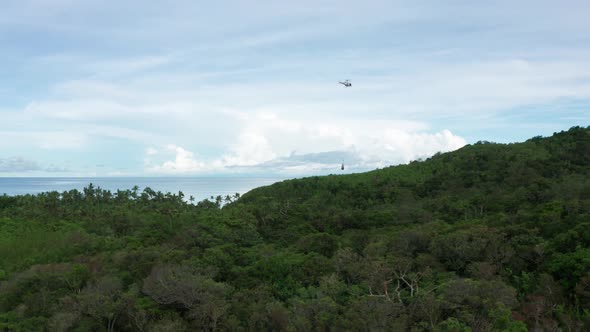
[251, 148]
[184, 162]
[270, 143]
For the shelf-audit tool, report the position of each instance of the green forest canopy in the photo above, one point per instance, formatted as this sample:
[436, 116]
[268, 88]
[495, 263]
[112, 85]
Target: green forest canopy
[491, 237]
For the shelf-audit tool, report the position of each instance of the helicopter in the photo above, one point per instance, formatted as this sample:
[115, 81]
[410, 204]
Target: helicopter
[346, 84]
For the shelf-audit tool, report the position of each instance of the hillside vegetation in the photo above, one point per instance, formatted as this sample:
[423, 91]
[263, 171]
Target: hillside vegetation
[491, 237]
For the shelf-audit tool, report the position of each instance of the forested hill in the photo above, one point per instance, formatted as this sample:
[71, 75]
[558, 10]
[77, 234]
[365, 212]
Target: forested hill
[487, 183]
[491, 237]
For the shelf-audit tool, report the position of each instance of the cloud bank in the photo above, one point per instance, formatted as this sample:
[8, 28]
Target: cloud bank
[268, 143]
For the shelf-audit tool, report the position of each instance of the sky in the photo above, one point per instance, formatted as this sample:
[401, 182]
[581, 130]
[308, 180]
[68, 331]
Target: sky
[231, 87]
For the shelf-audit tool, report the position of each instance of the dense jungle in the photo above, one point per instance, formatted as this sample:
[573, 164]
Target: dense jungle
[491, 237]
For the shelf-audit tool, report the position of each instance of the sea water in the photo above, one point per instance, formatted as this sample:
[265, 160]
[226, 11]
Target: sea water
[198, 187]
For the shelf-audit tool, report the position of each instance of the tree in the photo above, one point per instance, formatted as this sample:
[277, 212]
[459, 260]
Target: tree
[375, 314]
[473, 302]
[102, 300]
[185, 288]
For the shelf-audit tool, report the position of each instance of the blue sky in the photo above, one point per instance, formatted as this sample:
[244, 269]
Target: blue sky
[150, 88]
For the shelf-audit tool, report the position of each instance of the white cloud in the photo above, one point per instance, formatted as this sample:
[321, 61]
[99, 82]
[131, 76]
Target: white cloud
[251, 148]
[268, 142]
[256, 124]
[184, 162]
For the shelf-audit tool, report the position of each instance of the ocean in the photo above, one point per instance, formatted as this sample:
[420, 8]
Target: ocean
[198, 187]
